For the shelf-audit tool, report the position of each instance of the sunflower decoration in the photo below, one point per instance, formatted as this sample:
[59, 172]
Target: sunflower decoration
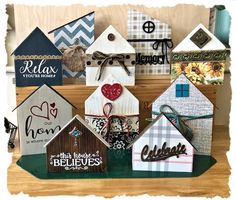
[195, 72]
[180, 67]
[215, 69]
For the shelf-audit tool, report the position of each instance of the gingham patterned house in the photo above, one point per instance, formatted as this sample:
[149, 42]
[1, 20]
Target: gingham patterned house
[188, 100]
[152, 42]
[162, 147]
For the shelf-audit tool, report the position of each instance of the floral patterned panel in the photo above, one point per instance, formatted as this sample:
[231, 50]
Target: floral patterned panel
[200, 72]
[121, 131]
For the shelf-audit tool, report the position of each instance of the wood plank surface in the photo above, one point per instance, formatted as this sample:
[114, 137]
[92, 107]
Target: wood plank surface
[146, 90]
[213, 182]
[182, 18]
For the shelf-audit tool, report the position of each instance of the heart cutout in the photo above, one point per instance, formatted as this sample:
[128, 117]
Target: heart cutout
[41, 111]
[52, 105]
[53, 112]
[111, 92]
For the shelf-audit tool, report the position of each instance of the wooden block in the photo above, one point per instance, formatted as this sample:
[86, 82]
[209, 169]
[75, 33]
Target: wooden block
[146, 90]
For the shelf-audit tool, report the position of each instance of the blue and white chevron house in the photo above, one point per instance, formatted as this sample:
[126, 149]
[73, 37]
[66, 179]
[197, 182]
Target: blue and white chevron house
[68, 34]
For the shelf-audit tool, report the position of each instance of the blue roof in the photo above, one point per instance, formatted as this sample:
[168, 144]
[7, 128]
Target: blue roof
[37, 43]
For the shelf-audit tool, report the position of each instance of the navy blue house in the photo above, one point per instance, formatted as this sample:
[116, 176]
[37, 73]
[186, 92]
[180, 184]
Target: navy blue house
[37, 61]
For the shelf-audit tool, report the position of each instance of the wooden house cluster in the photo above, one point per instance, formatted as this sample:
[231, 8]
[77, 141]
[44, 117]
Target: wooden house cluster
[182, 115]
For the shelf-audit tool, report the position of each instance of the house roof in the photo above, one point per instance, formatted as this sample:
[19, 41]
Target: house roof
[70, 22]
[86, 125]
[187, 45]
[174, 82]
[116, 46]
[44, 85]
[36, 43]
[151, 124]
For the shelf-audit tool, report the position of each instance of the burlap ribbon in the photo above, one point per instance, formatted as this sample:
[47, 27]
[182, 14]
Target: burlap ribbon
[105, 58]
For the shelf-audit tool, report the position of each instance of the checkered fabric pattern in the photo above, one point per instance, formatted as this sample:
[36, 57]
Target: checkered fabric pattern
[136, 21]
[162, 131]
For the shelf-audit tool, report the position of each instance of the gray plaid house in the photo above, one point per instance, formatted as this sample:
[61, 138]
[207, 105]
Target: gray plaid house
[184, 97]
[152, 41]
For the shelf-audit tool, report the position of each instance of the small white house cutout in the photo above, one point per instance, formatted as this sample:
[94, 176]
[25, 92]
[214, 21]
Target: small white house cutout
[41, 115]
[113, 112]
[110, 54]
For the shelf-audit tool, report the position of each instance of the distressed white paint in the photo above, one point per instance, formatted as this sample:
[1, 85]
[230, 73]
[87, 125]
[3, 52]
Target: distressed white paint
[117, 71]
[117, 46]
[196, 104]
[188, 45]
[28, 144]
[126, 104]
[155, 134]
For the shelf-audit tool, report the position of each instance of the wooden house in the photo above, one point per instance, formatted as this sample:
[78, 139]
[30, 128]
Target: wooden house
[184, 97]
[201, 56]
[81, 28]
[152, 42]
[110, 54]
[162, 147]
[67, 37]
[40, 116]
[113, 112]
[77, 148]
[37, 61]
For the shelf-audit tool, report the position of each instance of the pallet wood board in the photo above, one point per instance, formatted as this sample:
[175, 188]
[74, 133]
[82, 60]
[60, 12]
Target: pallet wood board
[182, 18]
[146, 90]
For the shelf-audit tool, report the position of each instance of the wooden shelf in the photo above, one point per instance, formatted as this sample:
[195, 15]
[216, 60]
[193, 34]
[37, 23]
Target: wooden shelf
[146, 90]
[213, 182]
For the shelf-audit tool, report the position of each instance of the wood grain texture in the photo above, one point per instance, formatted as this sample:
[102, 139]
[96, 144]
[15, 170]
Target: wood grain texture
[146, 90]
[86, 143]
[183, 18]
[213, 182]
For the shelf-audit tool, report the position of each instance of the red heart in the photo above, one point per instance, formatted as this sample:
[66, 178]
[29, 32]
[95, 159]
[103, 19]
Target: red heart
[111, 92]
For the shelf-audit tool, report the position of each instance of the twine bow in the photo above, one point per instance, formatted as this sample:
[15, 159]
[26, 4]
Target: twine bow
[107, 108]
[179, 120]
[105, 58]
[165, 43]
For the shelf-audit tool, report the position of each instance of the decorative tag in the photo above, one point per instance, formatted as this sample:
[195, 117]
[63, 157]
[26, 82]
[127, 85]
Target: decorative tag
[111, 92]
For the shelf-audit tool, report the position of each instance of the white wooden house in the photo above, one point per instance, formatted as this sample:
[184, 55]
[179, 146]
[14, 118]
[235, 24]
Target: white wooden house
[201, 56]
[110, 54]
[162, 147]
[41, 115]
[113, 111]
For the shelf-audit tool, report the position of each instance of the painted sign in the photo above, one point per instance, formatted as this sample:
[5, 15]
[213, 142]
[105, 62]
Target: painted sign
[37, 61]
[77, 147]
[75, 161]
[162, 147]
[40, 116]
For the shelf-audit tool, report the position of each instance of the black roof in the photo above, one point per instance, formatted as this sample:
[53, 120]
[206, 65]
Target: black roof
[36, 43]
